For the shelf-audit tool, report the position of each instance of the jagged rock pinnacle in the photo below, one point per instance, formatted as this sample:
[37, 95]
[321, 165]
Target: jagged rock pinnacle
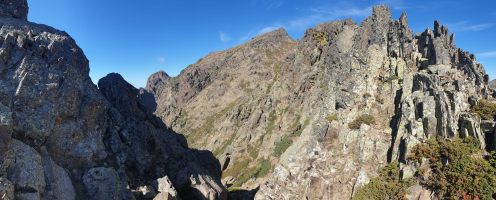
[381, 12]
[14, 9]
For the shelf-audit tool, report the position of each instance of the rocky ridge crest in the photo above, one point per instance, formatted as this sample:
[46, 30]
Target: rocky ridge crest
[289, 104]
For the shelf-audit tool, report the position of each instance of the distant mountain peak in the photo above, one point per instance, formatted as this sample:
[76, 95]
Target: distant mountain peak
[156, 79]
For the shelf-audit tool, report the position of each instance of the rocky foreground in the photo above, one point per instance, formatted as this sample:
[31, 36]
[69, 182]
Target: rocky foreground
[62, 137]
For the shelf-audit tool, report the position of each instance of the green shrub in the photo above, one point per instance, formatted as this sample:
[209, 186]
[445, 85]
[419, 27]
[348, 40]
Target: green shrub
[331, 118]
[485, 109]
[282, 145]
[362, 119]
[387, 185]
[458, 169]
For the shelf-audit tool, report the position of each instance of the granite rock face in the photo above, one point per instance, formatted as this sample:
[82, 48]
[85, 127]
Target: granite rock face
[288, 104]
[63, 138]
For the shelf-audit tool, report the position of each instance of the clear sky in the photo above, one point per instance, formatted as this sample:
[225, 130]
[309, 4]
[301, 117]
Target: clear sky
[137, 38]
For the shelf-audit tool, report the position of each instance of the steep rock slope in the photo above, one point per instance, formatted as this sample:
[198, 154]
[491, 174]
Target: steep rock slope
[416, 87]
[323, 114]
[62, 138]
[232, 90]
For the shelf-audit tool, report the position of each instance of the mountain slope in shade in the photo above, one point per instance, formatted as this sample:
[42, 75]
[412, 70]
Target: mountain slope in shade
[63, 138]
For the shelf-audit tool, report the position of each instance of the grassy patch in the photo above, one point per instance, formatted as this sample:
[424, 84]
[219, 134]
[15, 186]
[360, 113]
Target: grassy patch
[263, 168]
[271, 122]
[221, 149]
[331, 118]
[387, 185]
[237, 168]
[207, 127]
[458, 168]
[361, 119]
[282, 145]
[485, 109]
[247, 173]
[245, 86]
[296, 128]
[253, 151]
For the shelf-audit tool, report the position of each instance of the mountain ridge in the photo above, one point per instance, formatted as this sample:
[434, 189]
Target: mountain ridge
[416, 86]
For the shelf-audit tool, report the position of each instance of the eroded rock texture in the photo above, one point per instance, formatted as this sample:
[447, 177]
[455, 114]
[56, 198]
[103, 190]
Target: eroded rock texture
[63, 138]
[249, 103]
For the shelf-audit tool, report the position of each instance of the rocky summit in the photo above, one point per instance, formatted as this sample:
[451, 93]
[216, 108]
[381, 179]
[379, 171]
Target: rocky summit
[319, 118]
[349, 111]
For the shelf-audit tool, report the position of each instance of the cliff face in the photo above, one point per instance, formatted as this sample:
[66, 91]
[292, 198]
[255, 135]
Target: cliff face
[324, 113]
[63, 138]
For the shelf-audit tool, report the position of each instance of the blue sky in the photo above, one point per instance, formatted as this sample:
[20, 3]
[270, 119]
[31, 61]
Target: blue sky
[137, 38]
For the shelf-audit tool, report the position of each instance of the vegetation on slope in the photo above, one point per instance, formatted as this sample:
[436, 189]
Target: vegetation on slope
[282, 145]
[388, 185]
[361, 119]
[245, 172]
[457, 168]
[485, 109]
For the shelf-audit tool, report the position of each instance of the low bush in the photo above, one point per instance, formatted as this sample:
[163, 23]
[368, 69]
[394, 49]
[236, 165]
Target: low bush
[485, 109]
[362, 119]
[458, 169]
[387, 185]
